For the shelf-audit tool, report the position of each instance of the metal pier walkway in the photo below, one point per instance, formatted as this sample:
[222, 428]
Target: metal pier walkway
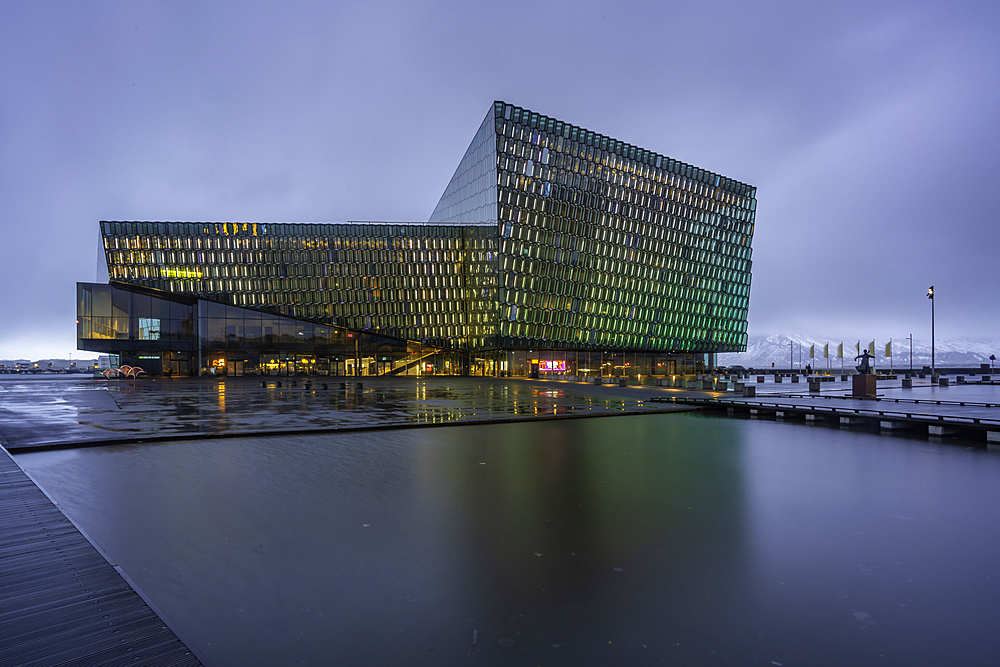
[61, 602]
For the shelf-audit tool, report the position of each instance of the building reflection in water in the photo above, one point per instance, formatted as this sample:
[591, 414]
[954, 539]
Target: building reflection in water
[592, 526]
[636, 540]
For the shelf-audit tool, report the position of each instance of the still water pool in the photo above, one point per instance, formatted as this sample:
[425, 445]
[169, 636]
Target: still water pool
[657, 539]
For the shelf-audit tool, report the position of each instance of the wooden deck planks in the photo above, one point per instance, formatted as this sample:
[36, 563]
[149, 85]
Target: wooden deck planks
[963, 418]
[61, 602]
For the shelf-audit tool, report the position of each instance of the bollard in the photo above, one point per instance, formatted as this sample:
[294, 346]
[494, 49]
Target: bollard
[749, 391]
[323, 385]
[308, 385]
[278, 384]
[960, 379]
[721, 385]
[777, 378]
[622, 382]
[942, 382]
[263, 384]
[907, 383]
[343, 385]
[359, 387]
[795, 377]
[814, 385]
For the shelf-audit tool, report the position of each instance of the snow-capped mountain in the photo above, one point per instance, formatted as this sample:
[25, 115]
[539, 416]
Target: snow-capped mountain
[763, 350]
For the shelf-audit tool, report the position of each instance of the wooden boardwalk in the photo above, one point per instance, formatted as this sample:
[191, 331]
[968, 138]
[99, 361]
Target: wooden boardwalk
[61, 602]
[979, 421]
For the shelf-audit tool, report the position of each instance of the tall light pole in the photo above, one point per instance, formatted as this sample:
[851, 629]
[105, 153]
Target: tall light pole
[911, 352]
[930, 295]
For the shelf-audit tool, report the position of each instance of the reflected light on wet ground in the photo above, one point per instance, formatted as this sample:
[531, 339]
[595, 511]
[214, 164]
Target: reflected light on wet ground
[38, 411]
[643, 540]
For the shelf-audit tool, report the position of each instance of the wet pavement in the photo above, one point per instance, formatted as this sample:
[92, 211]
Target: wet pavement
[38, 411]
[53, 410]
[644, 540]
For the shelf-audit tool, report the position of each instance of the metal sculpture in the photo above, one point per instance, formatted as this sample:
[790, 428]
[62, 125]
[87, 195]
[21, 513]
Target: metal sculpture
[864, 368]
[123, 371]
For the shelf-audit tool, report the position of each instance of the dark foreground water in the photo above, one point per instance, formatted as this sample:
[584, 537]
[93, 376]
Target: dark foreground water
[674, 539]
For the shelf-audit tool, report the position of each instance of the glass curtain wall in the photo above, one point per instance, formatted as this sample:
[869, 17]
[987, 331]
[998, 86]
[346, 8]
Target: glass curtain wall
[471, 195]
[414, 281]
[549, 238]
[606, 245]
[200, 337]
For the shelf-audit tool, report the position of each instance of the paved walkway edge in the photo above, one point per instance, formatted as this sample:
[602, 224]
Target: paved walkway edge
[75, 444]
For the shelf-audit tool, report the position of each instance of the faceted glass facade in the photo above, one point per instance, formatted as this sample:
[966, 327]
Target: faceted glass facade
[471, 196]
[429, 283]
[606, 245]
[548, 237]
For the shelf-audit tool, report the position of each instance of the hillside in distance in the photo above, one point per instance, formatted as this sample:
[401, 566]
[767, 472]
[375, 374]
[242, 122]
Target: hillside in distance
[780, 350]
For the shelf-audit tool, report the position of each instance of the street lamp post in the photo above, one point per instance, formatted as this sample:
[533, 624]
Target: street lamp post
[930, 295]
[911, 352]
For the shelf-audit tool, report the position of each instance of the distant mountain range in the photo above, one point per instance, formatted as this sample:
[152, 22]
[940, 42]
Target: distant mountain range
[763, 350]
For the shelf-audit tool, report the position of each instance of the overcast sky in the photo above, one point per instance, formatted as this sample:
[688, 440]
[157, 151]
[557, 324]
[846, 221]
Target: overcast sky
[871, 130]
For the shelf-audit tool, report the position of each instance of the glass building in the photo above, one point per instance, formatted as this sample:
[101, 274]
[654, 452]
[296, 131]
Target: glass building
[553, 249]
